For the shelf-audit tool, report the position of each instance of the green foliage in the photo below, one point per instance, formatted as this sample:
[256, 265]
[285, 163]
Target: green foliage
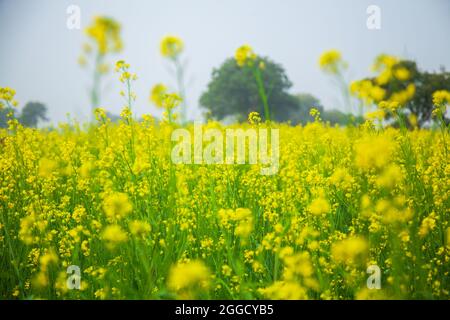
[113, 117]
[4, 116]
[305, 102]
[32, 113]
[338, 117]
[426, 83]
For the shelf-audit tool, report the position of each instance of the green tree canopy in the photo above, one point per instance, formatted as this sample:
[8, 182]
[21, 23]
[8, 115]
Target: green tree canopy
[305, 102]
[234, 92]
[32, 113]
[341, 118]
[4, 116]
[425, 84]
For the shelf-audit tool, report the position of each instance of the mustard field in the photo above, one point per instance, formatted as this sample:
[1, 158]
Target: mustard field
[109, 200]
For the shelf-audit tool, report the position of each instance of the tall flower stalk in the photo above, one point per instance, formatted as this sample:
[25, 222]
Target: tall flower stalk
[171, 48]
[126, 77]
[104, 39]
[331, 63]
[246, 58]
[441, 99]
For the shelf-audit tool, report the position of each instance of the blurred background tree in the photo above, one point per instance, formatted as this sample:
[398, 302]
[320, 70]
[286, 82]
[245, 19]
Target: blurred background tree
[32, 113]
[426, 84]
[335, 116]
[4, 116]
[233, 92]
[402, 81]
[305, 102]
[113, 117]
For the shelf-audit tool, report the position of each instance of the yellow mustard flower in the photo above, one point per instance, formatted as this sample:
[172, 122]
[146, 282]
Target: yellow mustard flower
[157, 94]
[113, 235]
[117, 205]
[330, 61]
[188, 276]
[244, 55]
[171, 46]
[349, 251]
[105, 32]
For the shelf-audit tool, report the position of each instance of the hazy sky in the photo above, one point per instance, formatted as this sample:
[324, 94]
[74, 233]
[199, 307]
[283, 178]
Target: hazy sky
[38, 55]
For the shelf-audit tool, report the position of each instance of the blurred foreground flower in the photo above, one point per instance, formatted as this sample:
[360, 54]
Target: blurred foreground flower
[117, 206]
[186, 278]
[350, 251]
[113, 235]
[171, 100]
[105, 32]
[441, 99]
[331, 61]
[171, 46]
[157, 94]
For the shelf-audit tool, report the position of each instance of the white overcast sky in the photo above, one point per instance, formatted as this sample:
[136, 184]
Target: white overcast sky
[38, 55]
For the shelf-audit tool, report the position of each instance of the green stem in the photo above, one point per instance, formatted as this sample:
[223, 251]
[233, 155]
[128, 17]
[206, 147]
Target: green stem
[443, 132]
[95, 92]
[181, 89]
[262, 93]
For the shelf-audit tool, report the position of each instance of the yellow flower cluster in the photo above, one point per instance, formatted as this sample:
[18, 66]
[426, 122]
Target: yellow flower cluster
[331, 61]
[140, 228]
[117, 206]
[373, 91]
[244, 55]
[171, 46]
[350, 251]
[171, 100]
[391, 106]
[374, 152]
[403, 96]
[7, 95]
[319, 206]
[368, 92]
[241, 217]
[125, 75]
[185, 278]
[441, 99]
[384, 64]
[157, 94]
[105, 32]
[254, 118]
[113, 235]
